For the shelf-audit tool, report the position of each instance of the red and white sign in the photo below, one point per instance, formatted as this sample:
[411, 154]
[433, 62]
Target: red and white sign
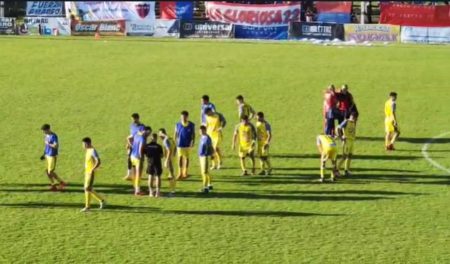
[415, 15]
[253, 14]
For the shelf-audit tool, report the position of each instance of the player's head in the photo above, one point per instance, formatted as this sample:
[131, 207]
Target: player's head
[87, 142]
[184, 116]
[260, 116]
[239, 99]
[205, 99]
[135, 117]
[202, 130]
[208, 111]
[162, 133]
[393, 95]
[46, 128]
[154, 137]
[331, 88]
[147, 130]
[244, 119]
[344, 88]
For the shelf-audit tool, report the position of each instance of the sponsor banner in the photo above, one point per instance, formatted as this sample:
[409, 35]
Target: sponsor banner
[104, 28]
[140, 28]
[167, 28]
[255, 15]
[372, 32]
[433, 35]
[7, 25]
[303, 30]
[177, 9]
[46, 26]
[251, 32]
[45, 8]
[334, 11]
[110, 10]
[205, 29]
[415, 15]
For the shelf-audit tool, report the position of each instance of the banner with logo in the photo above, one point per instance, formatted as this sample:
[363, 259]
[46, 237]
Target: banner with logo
[110, 10]
[252, 32]
[372, 32]
[45, 8]
[167, 28]
[104, 28]
[205, 29]
[46, 26]
[334, 11]
[415, 15]
[7, 25]
[305, 30]
[177, 9]
[426, 35]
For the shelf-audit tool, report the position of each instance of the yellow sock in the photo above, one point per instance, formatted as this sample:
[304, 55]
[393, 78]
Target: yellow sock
[172, 184]
[87, 199]
[205, 180]
[261, 164]
[268, 165]
[347, 164]
[321, 172]
[243, 165]
[96, 196]
[219, 158]
[136, 183]
[208, 179]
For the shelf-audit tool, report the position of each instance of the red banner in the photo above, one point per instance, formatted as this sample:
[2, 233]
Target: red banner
[415, 15]
[168, 9]
[104, 28]
[334, 6]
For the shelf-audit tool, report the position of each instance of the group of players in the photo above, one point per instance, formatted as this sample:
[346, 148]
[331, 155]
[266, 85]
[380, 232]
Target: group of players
[340, 106]
[142, 144]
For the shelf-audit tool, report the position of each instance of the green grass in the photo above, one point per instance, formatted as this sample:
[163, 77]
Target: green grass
[394, 209]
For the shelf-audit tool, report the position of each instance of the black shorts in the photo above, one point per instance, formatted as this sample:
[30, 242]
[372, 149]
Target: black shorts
[154, 169]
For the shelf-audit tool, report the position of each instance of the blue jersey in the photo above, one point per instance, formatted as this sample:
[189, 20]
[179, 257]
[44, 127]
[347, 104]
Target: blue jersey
[134, 128]
[51, 139]
[185, 133]
[204, 106]
[138, 143]
[205, 146]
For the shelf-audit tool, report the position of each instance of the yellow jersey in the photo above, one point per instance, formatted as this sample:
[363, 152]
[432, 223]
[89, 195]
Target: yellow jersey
[247, 134]
[213, 123]
[246, 109]
[263, 129]
[90, 159]
[389, 108]
[326, 141]
[349, 129]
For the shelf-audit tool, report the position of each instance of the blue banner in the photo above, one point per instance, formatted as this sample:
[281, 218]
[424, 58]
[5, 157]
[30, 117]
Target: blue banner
[339, 18]
[184, 10]
[250, 32]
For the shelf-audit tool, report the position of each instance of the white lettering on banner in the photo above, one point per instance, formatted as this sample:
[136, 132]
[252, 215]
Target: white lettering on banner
[85, 27]
[6, 22]
[316, 29]
[60, 23]
[44, 8]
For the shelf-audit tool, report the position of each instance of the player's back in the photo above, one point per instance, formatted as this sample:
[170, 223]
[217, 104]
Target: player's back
[89, 162]
[350, 130]
[212, 123]
[153, 151]
[389, 107]
[326, 141]
[262, 130]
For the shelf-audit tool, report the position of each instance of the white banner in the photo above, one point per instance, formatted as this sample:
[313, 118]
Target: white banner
[110, 10]
[425, 34]
[47, 25]
[270, 15]
[167, 28]
[45, 8]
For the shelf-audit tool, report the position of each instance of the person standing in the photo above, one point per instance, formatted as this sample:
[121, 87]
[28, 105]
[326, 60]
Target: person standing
[246, 133]
[169, 150]
[329, 109]
[390, 121]
[347, 133]
[345, 104]
[215, 122]
[91, 163]
[133, 131]
[205, 150]
[244, 109]
[206, 104]
[185, 139]
[328, 151]
[50, 156]
[154, 153]
[137, 156]
[264, 136]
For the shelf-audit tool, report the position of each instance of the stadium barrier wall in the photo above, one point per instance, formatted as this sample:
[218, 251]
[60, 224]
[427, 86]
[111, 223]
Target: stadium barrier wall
[206, 29]
[7, 25]
[372, 33]
[425, 35]
[306, 30]
[46, 25]
[104, 28]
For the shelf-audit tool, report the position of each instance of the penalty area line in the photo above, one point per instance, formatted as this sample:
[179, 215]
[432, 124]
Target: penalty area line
[427, 156]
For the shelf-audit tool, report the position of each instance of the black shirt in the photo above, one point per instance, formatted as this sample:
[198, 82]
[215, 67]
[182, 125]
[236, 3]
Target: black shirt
[154, 153]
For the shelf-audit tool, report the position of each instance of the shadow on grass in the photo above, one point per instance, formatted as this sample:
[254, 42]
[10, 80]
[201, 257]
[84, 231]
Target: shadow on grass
[249, 213]
[110, 207]
[355, 157]
[409, 140]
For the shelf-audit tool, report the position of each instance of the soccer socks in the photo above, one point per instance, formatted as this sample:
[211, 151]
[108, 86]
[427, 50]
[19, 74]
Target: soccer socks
[243, 165]
[347, 164]
[262, 164]
[321, 172]
[87, 199]
[137, 187]
[96, 196]
[205, 180]
[268, 164]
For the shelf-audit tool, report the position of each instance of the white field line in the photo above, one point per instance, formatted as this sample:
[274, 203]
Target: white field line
[427, 157]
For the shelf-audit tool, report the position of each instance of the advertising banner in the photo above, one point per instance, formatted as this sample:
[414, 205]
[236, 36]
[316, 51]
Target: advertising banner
[167, 28]
[177, 9]
[426, 35]
[104, 28]
[46, 26]
[140, 28]
[252, 32]
[372, 32]
[7, 25]
[205, 29]
[110, 10]
[45, 8]
[334, 11]
[415, 15]
[303, 30]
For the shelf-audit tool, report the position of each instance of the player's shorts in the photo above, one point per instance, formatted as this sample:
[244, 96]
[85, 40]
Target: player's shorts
[136, 162]
[51, 163]
[262, 151]
[204, 160]
[154, 169]
[216, 140]
[183, 152]
[329, 153]
[88, 179]
[347, 148]
[389, 126]
[245, 151]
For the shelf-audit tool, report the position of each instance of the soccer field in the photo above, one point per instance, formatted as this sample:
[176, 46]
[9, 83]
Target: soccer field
[393, 209]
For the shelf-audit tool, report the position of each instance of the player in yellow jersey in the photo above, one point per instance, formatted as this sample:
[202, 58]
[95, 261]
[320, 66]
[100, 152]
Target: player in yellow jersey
[92, 162]
[328, 151]
[215, 122]
[347, 132]
[246, 133]
[264, 136]
[169, 150]
[244, 108]
[390, 121]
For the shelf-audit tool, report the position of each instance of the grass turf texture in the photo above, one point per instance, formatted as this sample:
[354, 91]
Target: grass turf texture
[394, 209]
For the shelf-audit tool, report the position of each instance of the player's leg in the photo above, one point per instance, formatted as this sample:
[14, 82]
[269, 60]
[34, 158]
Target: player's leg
[186, 163]
[87, 194]
[219, 157]
[251, 154]
[349, 154]
[203, 172]
[48, 172]
[130, 172]
[158, 184]
[137, 175]
[242, 155]
[150, 184]
[395, 135]
[180, 163]
[171, 178]
[333, 158]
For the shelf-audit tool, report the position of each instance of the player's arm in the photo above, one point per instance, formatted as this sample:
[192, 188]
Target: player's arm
[223, 122]
[269, 134]
[252, 112]
[129, 141]
[319, 145]
[253, 134]
[168, 153]
[340, 129]
[53, 142]
[96, 160]
[394, 114]
[235, 136]
[193, 137]
[175, 133]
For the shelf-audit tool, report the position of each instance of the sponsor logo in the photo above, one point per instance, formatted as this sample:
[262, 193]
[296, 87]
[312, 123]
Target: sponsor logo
[143, 10]
[188, 26]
